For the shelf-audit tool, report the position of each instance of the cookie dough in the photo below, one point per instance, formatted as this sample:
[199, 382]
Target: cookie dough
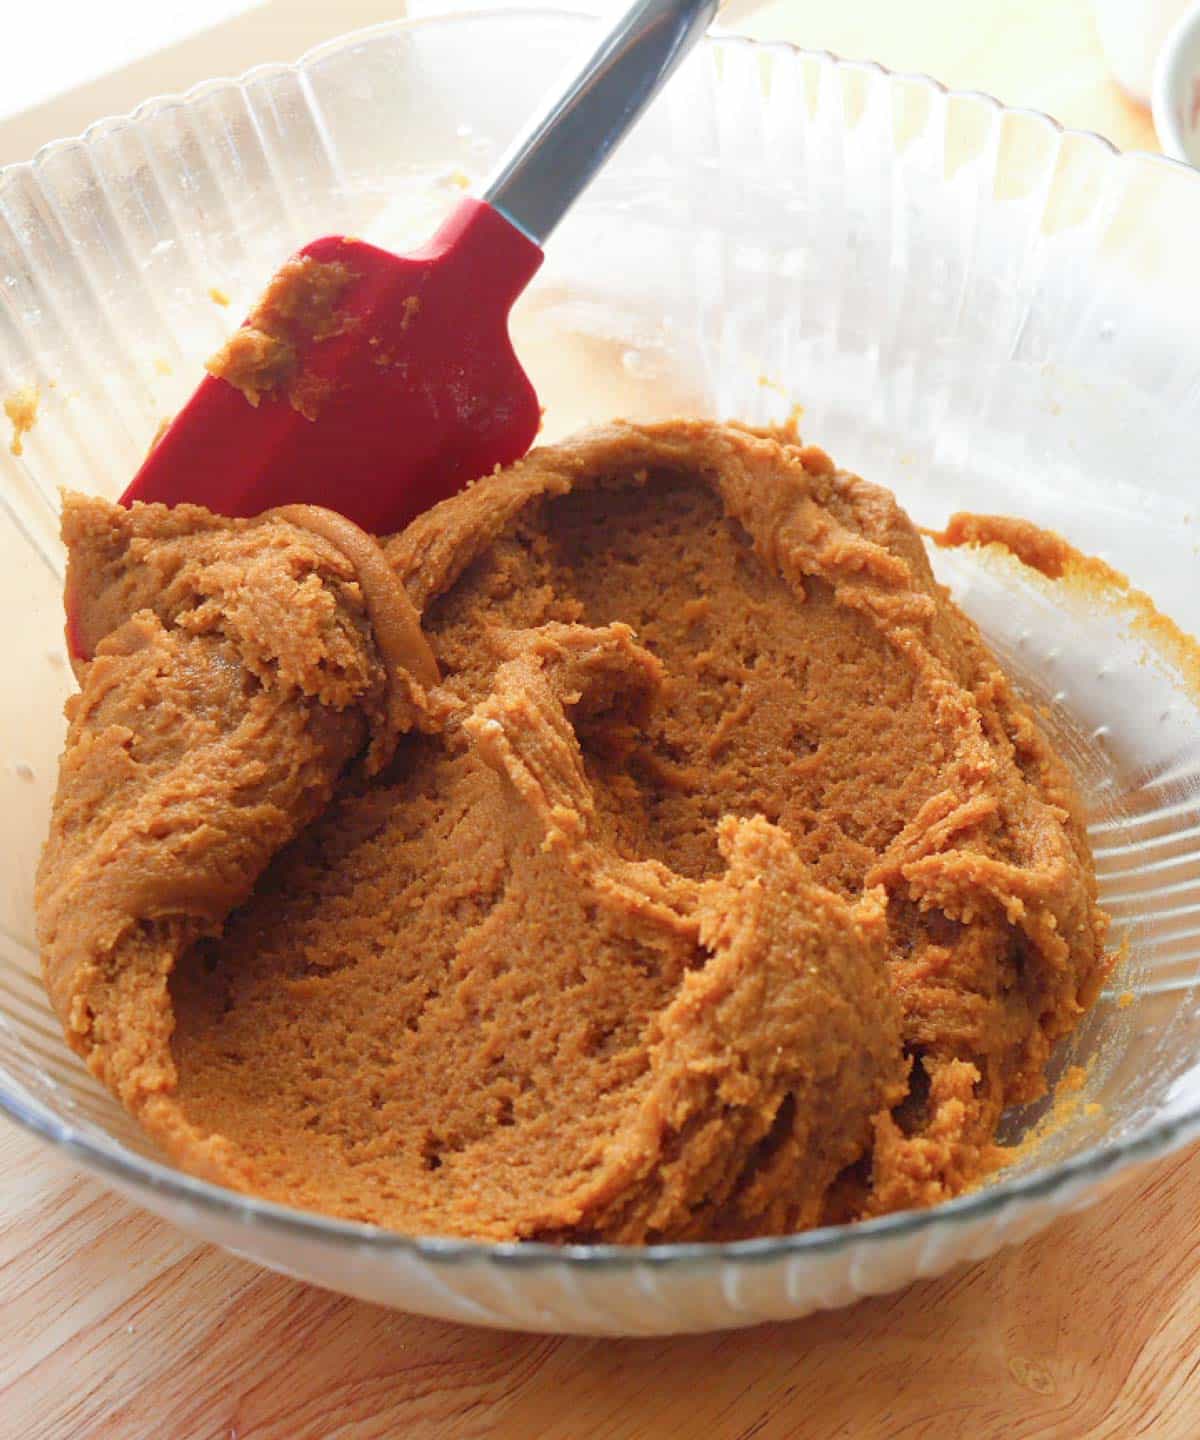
[640, 846]
[299, 306]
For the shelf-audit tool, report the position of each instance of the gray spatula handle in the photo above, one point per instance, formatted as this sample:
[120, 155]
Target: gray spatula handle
[553, 161]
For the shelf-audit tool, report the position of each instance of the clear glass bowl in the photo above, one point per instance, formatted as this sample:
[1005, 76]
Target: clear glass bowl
[973, 307]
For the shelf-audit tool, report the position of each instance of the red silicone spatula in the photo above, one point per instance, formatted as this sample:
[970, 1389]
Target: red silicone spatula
[399, 384]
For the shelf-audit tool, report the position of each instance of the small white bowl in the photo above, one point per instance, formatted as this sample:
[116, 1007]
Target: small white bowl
[1177, 90]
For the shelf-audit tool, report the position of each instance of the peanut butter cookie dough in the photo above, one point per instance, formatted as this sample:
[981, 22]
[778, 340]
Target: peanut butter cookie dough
[640, 846]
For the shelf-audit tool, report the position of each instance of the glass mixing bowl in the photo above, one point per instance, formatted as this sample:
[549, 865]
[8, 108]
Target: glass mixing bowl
[972, 306]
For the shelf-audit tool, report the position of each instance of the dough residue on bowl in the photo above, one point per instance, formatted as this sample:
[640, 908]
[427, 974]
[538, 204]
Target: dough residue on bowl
[640, 846]
[21, 410]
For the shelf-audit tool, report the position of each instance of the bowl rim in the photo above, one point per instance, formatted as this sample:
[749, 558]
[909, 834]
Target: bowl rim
[150, 1177]
[1170, 80]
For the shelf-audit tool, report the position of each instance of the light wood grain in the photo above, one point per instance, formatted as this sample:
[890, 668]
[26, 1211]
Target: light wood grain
[115, 1327]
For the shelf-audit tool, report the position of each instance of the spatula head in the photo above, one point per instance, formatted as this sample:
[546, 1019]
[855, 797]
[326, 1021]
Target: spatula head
[370, 383]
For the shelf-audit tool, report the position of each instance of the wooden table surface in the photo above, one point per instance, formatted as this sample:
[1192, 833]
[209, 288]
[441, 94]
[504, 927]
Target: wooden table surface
[114, 1326]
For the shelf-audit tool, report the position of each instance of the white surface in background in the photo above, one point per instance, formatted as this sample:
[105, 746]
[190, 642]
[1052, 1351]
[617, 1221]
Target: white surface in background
[47, 52]
[1132, 33]
[67, 63]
